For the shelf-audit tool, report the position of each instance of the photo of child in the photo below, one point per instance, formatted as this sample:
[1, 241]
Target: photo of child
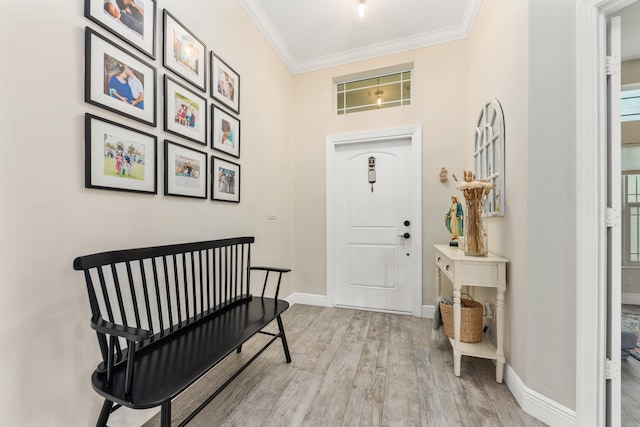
[186, 112]
[226, 134]
[122, 158]
[226, 84]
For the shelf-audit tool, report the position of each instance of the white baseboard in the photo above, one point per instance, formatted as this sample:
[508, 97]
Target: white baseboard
[307, 299]
[537, 405]
[631, 299]
[428, 311]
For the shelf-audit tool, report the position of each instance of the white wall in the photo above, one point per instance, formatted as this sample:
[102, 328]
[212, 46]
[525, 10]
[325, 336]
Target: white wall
[438, 104]
[47, 217]
[498, 69]
[550, 240]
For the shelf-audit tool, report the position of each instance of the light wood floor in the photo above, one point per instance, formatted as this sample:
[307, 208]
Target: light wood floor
[353, 368]
[630, 374]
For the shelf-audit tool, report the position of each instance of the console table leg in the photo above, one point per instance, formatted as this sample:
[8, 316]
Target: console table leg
[457, 355]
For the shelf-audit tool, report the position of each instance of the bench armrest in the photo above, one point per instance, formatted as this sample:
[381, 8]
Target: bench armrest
[279, 271]
[127, 332]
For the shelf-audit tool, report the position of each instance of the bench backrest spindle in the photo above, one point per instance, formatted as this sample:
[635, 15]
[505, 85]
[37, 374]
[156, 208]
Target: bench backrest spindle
[163, 288]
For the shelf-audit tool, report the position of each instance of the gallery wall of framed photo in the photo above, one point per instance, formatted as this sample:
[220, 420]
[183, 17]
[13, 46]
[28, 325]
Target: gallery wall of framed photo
[197, 92]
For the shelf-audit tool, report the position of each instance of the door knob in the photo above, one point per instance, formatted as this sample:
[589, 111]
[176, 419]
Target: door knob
[405, 235]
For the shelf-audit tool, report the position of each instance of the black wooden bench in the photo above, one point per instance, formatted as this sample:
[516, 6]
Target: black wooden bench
[167, 315]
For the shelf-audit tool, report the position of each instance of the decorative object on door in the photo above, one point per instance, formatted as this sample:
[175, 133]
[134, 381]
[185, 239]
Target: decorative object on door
[225, 180]
[475, 194]
[118, 81]
[454, 221]
[488, 154]
[443, 175]
[135, 23]
[118, 157]
[372, 171]
[225, 84]
[183, 52]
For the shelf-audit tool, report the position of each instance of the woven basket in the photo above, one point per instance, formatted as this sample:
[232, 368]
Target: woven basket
[470, 320]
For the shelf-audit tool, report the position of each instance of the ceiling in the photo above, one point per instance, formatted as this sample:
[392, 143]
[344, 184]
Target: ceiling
[314, 34]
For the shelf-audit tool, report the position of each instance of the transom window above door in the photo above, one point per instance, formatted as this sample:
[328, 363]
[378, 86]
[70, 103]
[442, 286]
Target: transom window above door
[373, 90]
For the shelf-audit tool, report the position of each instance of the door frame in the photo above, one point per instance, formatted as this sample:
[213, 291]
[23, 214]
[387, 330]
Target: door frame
[591, 234]
[414, 133]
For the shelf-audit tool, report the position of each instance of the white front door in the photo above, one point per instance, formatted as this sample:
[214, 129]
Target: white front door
[376, 229]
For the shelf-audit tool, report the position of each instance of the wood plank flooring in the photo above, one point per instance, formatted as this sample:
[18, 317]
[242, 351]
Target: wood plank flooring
[630, 374]
[352, 368]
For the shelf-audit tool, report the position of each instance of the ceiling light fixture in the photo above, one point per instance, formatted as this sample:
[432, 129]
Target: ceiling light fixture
[361, 10]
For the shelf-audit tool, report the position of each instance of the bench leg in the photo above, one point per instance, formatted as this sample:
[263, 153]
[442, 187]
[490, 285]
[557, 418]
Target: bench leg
[284, 340]
[104, 413]
[165, 414]
[239, 349]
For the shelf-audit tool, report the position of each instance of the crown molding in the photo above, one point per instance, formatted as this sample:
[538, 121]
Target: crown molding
[253, 9]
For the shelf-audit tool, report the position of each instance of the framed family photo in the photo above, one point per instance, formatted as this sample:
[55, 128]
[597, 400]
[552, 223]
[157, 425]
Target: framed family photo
[225, 180]
[225, 84]
[185, 171]
[134, 21]
[185, 112]
[118, 157]
[225, 132]
[184, 53]
[118, 81]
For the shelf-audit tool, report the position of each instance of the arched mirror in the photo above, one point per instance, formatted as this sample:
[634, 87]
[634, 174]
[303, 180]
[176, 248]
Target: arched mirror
[488, 154]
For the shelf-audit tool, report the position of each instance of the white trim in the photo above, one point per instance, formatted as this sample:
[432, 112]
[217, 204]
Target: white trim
[537, 405]
[307, 299]
[591, 243]
[332, 141]
[456, 32]
[428, 311]
[631, 299]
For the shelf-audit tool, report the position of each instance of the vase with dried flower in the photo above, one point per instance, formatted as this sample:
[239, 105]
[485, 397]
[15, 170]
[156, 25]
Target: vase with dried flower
[475, 233]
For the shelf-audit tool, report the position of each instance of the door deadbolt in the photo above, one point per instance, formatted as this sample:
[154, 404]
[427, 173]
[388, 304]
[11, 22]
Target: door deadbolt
[407, 223]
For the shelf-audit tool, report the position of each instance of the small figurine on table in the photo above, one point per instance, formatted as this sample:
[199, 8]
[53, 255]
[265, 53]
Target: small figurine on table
[454, 220]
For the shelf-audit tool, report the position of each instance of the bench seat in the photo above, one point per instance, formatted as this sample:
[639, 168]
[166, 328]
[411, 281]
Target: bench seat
[160, 374]
[166, 315]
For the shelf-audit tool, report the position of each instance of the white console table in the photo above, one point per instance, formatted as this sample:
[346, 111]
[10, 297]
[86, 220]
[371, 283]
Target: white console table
[487, 272]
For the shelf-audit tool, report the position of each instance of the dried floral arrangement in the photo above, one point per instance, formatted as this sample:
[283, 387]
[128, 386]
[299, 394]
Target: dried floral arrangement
[475, 194]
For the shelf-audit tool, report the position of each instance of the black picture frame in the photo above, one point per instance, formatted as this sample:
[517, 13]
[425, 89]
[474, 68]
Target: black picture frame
[106, 64]
[225, 180]
[135, 24]
[225, 132]
[183, 52]
[225, 84]
[185, 112]
[185, 171]
[118, 157]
